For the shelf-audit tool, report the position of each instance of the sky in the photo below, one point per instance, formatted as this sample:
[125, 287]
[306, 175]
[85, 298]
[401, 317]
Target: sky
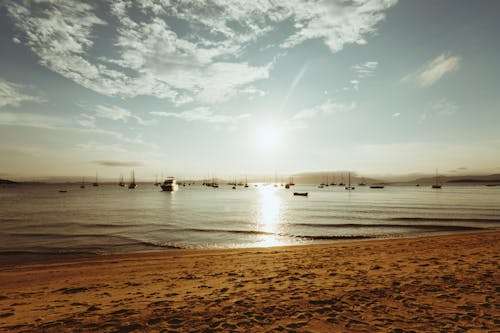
[230, 88]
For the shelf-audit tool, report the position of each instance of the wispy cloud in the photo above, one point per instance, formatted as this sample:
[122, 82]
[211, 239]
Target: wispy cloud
[444, 107]
[13, 94]
[97, 147]
[434, 70]
[396, 114]
[119, 163]
[112, 112]
[203, 114]
[355, 84]
[30, 120]
[327, 107]
[365, 69]
[154, 56]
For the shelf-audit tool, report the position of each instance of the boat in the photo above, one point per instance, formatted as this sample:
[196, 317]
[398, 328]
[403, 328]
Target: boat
[156, 183]
[303, 194]
[246, 182]
[121, 182]
[376, 186]
[321, 185]
[83, 184]
[132, 184]
[63, 191]
[287, 185]
[362, 182]
[169, 185]
[96, 183]
[436, 183]
[349, 187]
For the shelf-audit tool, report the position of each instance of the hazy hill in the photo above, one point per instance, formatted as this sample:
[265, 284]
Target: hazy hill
[7, 182]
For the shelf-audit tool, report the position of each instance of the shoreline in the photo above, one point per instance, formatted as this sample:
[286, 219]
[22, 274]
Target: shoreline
[27, 257]
[446, 283]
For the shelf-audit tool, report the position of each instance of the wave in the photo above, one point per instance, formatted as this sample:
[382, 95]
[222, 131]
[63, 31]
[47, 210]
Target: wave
[229, 231]
[332, 237]
[386, 225]
[444, 219]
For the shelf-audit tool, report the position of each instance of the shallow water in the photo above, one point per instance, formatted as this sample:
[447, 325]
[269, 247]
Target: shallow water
[39, 220]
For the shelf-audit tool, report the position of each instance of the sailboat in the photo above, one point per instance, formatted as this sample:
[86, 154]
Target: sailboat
[157, 183]
[121, 183]
[83, 183]
[436, 183]
[246, 182]
[132, 184]
[349, 187]
[95, 183]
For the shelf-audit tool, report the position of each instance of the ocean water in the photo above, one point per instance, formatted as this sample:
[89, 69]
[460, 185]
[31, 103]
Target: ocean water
[39, 221]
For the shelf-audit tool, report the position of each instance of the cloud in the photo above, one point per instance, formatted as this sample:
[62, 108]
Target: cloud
[355, 84]
[327, 107]
[112, 112]
[395, 115]
[30, 120]
[203, 114]
[86, 120]
[13, 94]
[119, 163]
[365, 69]
[434, 70]
[444, 107]
[100, 147]
[336, 23]
[180, 51]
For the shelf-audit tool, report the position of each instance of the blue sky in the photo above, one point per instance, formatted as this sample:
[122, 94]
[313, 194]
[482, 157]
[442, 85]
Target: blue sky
[236, 87]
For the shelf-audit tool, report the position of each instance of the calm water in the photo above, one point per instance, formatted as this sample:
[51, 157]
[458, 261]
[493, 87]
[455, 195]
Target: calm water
[37, 220]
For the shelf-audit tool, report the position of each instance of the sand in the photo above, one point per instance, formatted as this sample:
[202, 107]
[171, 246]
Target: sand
[433, 284]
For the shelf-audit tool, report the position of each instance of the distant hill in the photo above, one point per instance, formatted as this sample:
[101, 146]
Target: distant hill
[332, 177]
[467, 179]
[7, 182]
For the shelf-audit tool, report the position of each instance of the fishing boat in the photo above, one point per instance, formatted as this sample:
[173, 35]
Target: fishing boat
[169, 185]
[436, 182]
[132, 184]
[303, 194]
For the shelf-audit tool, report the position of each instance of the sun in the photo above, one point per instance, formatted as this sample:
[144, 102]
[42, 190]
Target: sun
[268, 138]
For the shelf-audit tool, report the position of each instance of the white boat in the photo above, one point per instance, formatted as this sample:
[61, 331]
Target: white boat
[169, 185]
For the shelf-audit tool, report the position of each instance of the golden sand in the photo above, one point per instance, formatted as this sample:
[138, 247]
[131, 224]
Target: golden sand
[432, 284]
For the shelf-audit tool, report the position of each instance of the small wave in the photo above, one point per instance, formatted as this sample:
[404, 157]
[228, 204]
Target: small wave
[163, 245]
[444, 219]
[229, 231]
[414, 226]
[332, 237]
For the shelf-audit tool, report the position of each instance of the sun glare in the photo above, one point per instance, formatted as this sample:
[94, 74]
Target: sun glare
[268, 138]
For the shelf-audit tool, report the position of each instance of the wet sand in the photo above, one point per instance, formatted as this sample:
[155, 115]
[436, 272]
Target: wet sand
[433, 284]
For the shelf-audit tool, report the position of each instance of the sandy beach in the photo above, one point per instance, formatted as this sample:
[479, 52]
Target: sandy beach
[433, 284]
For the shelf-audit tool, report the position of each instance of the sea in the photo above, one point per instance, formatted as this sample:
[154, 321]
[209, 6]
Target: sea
[39, 221]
